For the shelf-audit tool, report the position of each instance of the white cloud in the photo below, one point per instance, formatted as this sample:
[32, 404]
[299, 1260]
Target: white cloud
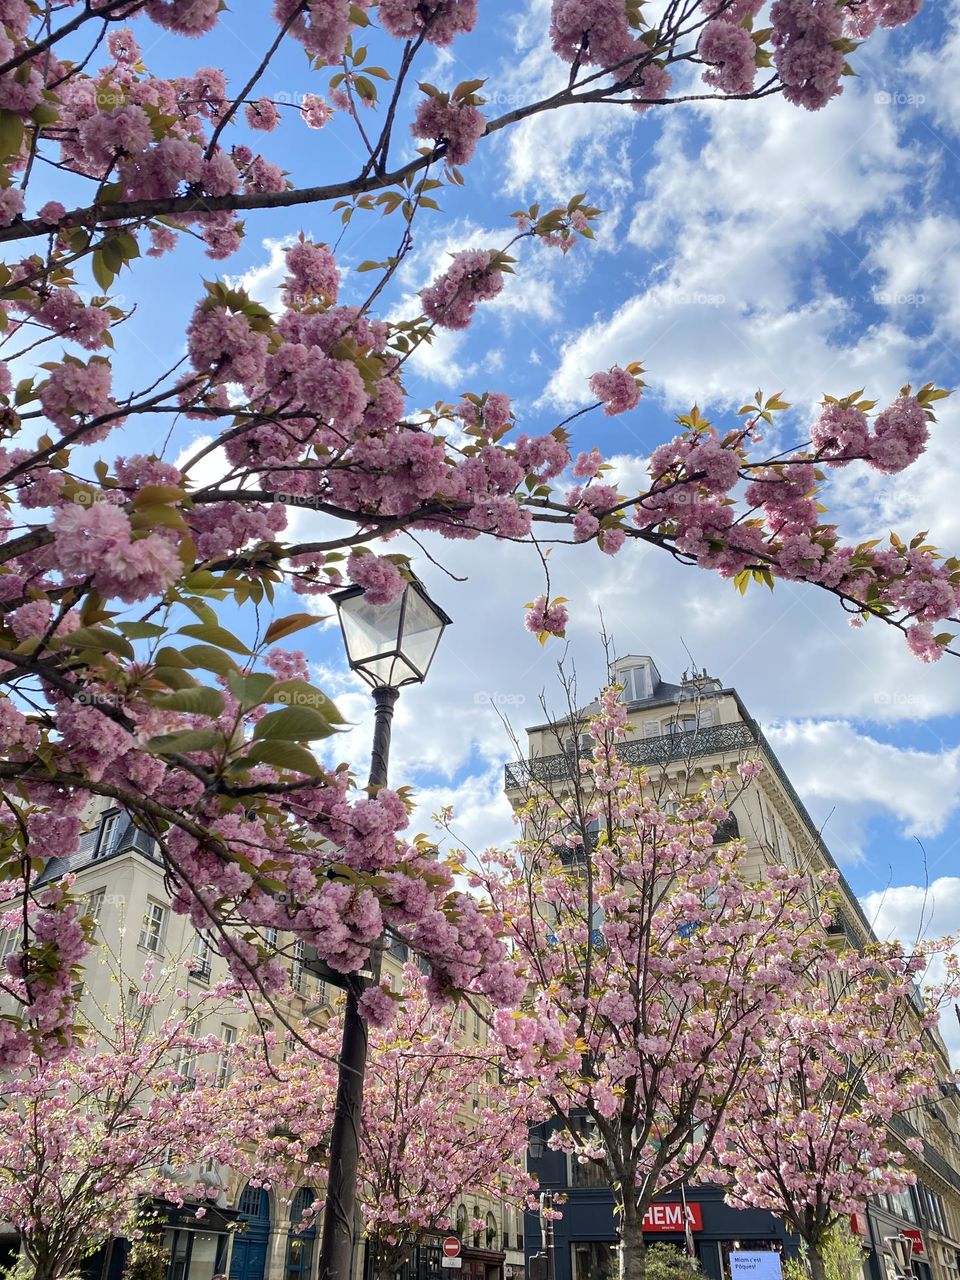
[838, 768]
[732, 231]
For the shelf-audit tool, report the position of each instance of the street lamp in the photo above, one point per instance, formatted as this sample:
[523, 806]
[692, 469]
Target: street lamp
[388, 646]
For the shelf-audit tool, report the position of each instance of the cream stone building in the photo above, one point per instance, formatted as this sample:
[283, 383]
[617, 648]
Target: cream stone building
[682, 733]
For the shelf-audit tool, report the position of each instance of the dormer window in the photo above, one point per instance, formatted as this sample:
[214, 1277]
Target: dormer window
[638, 676]
[109, 830]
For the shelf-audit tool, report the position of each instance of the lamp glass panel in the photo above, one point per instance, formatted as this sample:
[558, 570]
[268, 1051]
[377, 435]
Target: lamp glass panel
[369, 629]
[422, 627]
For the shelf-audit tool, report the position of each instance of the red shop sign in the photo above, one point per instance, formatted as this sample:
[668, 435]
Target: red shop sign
[669, 1217]
[916, 1237]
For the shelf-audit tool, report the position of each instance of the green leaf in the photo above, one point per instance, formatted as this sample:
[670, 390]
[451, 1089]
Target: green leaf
[101, 272]
[294, 724]
[11, 133]
[95, 638]
[284, 755]
[297, 693]
[281, 627]
[210, 659]
[142, 630]
[186, 740]
[215, 635]
[251, 689]
[201, 700]
[174, 677]
[170, 657]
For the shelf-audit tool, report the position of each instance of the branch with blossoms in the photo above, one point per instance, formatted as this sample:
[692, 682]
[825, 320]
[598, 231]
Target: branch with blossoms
[154, 150]
[86, 1136]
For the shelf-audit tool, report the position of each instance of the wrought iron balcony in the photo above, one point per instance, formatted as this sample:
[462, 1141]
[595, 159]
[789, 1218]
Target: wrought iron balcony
[199, 970]
[716, 740]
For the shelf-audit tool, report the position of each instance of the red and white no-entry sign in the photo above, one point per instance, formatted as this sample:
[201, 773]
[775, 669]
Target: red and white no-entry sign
[451, 1247]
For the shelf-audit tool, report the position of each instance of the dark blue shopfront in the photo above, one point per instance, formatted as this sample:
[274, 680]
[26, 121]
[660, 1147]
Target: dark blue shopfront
[585, 1238]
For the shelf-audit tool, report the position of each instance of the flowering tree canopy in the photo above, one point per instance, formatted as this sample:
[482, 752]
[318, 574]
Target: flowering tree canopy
[85, 1138]
[117, 565]
[823, 1123]
[655, 960]
[441, 1123]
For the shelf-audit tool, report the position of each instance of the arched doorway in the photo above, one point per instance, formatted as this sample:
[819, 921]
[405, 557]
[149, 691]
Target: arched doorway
[249, 1258]
[300, 1243]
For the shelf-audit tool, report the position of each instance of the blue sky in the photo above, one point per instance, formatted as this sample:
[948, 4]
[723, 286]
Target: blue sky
[742, 245]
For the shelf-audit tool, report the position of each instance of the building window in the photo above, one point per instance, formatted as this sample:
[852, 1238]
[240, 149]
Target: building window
[637, 682]
[109, 830]
[270, 939]
[297, 970]
[491, 1231]
[93, 904]
[154, 925]
[462, 1221]
[228, 1038]
[9, 941]
[199, 963]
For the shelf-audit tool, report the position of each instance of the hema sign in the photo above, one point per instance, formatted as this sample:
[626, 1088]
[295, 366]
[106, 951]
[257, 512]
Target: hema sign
[669, 1217]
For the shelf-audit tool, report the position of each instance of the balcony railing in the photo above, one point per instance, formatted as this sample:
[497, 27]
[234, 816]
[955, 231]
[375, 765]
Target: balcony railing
[199, 970]
[716, 740]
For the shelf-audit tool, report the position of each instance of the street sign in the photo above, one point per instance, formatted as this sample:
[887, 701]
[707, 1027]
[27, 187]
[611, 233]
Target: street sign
[451, 1262]
[451, 1247]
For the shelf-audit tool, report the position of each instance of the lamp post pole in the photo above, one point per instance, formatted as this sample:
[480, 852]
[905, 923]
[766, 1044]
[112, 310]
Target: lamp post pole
[339, 1213]
[388, 645]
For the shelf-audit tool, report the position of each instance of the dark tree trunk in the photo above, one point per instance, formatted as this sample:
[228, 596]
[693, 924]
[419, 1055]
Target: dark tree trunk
[633, 1252]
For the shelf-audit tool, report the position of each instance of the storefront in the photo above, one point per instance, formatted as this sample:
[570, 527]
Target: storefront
[586, 1240]
[196, 1248]
[425, 1263]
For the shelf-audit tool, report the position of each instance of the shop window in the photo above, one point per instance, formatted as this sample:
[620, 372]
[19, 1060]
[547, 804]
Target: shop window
[593, 1259]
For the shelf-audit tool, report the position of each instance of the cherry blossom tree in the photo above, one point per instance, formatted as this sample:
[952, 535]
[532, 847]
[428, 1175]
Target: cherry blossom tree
[121, 680]
[654, 961]
[824, 1121]
[88, 1137]
[441, 1120]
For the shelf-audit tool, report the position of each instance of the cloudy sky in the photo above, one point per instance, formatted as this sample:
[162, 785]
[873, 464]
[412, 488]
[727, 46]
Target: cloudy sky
[742, 246]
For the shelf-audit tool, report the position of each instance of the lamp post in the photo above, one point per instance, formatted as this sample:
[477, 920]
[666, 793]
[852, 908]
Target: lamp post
[388, 646]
